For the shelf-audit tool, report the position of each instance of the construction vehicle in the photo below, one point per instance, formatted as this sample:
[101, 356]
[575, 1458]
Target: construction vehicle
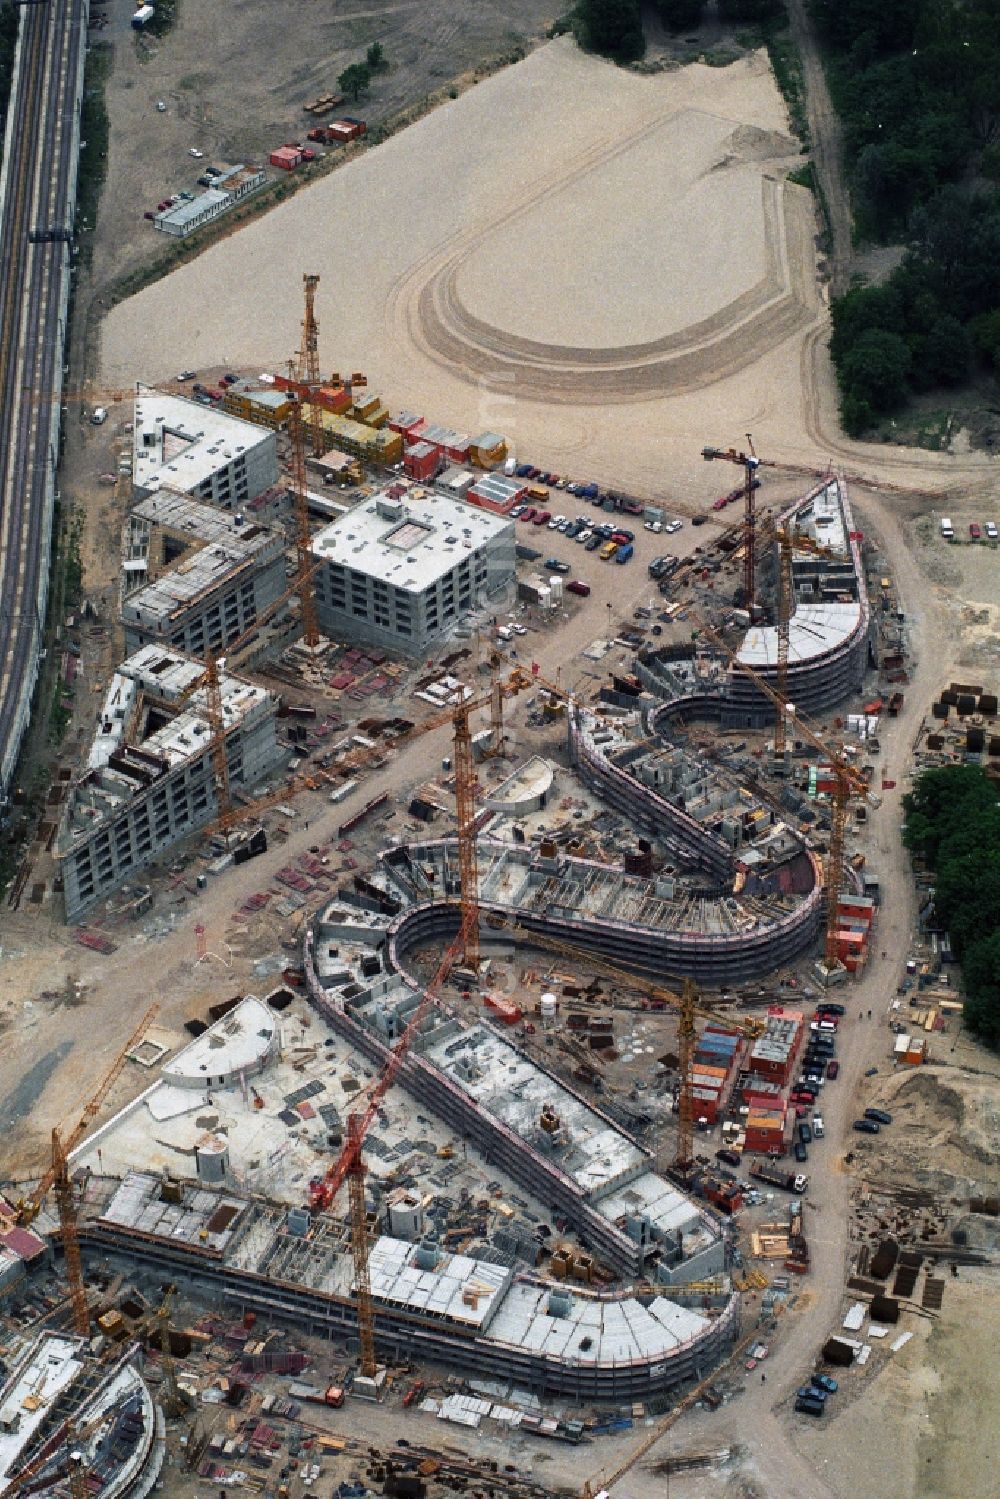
[57, 1176]
[777, 1176]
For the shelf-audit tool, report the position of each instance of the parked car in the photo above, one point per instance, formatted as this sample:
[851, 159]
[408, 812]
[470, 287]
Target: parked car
[829, 1008]
[555, 566]
[522, 470]
[198, 155]
[517, 511]
[728, 1157]
[187, 375]
[810, 1392]
[578, 587]
[805, 1134]
[698, 520]
[149, 214]
[595, 541]
[675, 525]
[583, 536]
[879, 1115]
[818, 1127]
[542, 517]
[557, 521]
[528, 513]
[825, 1382]
[975, 530]
[656, 526]
[801, 1154]
[832, 1069]
[991, 530]
[866, 1126]
[809, 1405]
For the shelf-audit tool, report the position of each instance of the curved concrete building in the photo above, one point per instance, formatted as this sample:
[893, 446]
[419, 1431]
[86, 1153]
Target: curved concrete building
[830, 634]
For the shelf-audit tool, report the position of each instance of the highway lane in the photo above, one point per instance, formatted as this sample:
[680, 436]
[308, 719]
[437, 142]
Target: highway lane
[39, 190]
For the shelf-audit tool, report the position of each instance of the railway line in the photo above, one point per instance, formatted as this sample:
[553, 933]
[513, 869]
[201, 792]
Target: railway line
[37, 209]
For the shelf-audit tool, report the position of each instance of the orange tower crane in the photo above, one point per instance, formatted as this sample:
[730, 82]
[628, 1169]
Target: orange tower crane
[350, 1164]
[308, 366]
[750, 463]
[57, 1176]
[209, 680]
[848, 782]
[304, 585]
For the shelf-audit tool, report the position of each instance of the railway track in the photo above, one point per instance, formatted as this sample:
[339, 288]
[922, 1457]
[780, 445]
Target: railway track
[38, 188]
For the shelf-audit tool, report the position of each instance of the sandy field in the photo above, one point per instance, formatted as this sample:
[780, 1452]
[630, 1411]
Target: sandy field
[579, 278]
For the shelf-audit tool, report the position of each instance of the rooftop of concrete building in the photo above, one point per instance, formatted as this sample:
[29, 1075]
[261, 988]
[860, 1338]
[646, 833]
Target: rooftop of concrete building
[478, 1294]
[220, 544]
[177, 441]
[816, 628]
[515, 1090]
[406, 537]
[168, 675]
[667, 1210]
[591, 1328]
[51, 1364]
[307, 1084]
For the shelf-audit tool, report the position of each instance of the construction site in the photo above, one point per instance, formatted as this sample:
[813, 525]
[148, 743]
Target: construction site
[472, 1023]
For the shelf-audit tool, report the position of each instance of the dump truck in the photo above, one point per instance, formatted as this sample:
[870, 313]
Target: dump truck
[777, 1176]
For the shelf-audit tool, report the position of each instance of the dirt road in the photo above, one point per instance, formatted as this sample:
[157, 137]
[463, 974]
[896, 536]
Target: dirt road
[777, 1451]
[826, 141]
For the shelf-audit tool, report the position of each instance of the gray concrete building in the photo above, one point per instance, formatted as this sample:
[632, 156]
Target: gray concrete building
[181, 444]
[196, 577]
[403, 568]
[150, 779]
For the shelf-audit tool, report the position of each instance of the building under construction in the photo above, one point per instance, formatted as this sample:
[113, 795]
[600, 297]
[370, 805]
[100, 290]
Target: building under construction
[479, 1308]
[196, 577]
[830, 628]
[150, 777]
[63, 1408]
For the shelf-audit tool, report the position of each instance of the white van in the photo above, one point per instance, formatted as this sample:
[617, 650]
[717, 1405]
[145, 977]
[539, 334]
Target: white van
[947, 529]
[100, 416]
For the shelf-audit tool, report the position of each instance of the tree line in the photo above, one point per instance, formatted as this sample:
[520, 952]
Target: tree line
[917, 87]
[953, 824]
[614, 27]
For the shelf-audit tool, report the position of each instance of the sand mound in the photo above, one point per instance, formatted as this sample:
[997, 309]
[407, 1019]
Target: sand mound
[748, 143]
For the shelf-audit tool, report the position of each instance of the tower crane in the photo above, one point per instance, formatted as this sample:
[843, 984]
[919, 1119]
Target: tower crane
[750, 463]
[307, 372]
[687, 1004]
[172, 1402]
[303, 536]
[848, 782]
[57, 1176]
[350, 1164]
[210, 681]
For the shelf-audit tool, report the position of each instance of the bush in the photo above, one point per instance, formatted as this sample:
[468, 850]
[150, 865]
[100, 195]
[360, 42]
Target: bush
[680, 15]
[613, 27]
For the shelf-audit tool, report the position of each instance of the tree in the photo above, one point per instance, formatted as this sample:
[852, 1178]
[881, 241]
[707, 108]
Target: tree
[746, 12]
[981, 971]
[355, 80]
[680, 15]
[875, 369]
[947, 352]
[613, 27]
[375, 58]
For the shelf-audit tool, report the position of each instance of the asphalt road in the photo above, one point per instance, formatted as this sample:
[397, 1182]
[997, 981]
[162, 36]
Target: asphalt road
[38, 193]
